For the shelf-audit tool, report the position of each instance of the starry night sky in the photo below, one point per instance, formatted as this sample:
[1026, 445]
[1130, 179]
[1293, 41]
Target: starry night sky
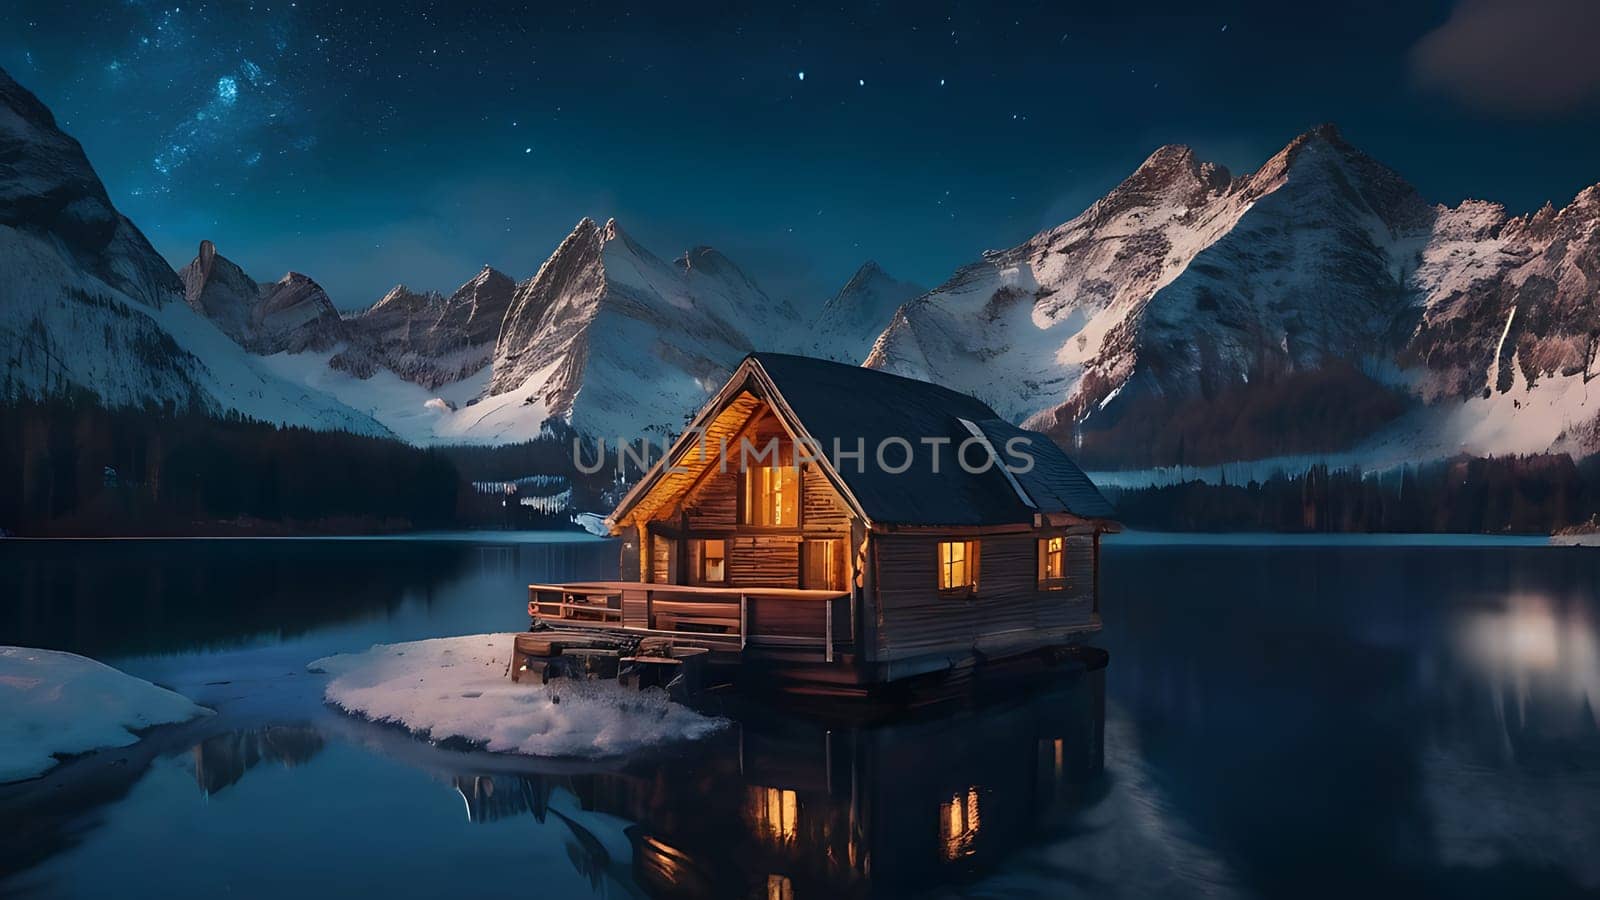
[413, 141]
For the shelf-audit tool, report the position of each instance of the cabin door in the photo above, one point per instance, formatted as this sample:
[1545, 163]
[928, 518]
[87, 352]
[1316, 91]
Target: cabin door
[822, 565]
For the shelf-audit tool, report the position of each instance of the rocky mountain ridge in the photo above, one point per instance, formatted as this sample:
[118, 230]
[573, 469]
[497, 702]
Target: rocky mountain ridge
[1316, 307]
[1317, 304]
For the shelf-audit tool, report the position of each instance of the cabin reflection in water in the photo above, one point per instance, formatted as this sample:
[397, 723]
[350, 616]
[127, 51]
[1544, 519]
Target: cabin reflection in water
[789, 808]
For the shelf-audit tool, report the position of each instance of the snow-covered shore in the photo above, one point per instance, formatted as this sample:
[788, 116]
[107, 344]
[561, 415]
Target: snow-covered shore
[458, 688]
[59, 704]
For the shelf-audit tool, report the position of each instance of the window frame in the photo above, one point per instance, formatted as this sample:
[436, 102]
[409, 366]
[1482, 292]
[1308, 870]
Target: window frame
[751, 499]
[833, 567]
[705, 560]
[1046, 581]
[971, 563]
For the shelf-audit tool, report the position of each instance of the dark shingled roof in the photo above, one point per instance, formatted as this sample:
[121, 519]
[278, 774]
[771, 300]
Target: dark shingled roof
[1055, 483]
[847, 403]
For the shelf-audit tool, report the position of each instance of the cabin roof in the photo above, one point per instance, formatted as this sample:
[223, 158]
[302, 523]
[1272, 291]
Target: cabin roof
[828, 402]
[837, 401]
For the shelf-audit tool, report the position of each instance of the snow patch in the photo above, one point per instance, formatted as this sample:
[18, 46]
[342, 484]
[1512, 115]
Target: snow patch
[59, 704]
[1500, 345]
[457, 687]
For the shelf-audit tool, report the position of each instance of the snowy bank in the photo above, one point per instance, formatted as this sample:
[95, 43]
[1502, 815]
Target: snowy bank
[58, 704]
[458, 688]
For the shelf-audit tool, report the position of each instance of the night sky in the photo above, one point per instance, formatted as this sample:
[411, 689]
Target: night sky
[415, 142]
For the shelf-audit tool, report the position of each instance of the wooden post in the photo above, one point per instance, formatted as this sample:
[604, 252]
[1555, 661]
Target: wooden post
[827, 631]
[1097, 572]
[744, 620]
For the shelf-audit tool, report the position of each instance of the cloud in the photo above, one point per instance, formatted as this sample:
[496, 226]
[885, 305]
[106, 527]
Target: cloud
[1514, 58]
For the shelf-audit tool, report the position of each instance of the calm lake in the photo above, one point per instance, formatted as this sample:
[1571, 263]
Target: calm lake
[1279, 719]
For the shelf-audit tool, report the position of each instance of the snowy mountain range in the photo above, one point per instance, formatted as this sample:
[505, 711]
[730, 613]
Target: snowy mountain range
[87, 304]
[1316, 307]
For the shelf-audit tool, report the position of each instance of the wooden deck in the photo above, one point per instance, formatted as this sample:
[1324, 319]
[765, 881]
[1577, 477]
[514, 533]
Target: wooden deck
[727, 621]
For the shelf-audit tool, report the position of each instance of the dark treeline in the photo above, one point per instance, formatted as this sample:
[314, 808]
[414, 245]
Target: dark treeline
[1524, 494]
[69, 466]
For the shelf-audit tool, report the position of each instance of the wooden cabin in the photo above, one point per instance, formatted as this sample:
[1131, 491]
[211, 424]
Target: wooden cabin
[841, 527]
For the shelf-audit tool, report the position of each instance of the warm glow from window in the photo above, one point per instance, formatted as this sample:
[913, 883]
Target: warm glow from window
[776, 813]
[1052, 562]
[772, 496]
[958, 824]
[779, 887]
[823, 565]
[958, 565]
[714, 561]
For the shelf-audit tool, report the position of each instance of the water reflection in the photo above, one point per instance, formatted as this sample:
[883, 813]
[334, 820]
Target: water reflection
[118, 599]
[1430, 714]
[1275, 721]
[788, 807]
[223, 759]
[1541, 651]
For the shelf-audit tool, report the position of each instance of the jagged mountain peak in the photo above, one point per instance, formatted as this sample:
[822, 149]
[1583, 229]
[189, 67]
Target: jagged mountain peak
[293, 313]
[1321, 154]
[603, 309]
[403, 295]
[486, 275]
[851, 320]
[1175, 168]
[49, 188]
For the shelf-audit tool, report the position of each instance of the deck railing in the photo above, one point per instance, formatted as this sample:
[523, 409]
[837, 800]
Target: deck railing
[729, 618]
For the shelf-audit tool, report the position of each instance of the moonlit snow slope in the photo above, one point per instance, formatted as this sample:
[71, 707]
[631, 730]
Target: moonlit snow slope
[615, 341]
[56, 704]
[1315, 305]
[852, 319]
[458, 688]
[87, 303]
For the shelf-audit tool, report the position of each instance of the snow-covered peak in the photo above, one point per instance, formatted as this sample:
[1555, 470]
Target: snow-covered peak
[851, 320]
[402, 297]
[293, 313]
[607, 335]
[87, 304]
[48, 188]
[1182, 282]
[477, 308]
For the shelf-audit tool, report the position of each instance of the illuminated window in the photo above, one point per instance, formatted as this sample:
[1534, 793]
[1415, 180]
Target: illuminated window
[958, 565]
[958, 824]
[772, 496]
[779, 887]
[776, 813]
[714, 561]
[822, 565]
[1052, 564]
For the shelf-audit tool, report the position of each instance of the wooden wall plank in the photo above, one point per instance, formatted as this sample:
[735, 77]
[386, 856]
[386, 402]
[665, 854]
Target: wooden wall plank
[915, 618]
